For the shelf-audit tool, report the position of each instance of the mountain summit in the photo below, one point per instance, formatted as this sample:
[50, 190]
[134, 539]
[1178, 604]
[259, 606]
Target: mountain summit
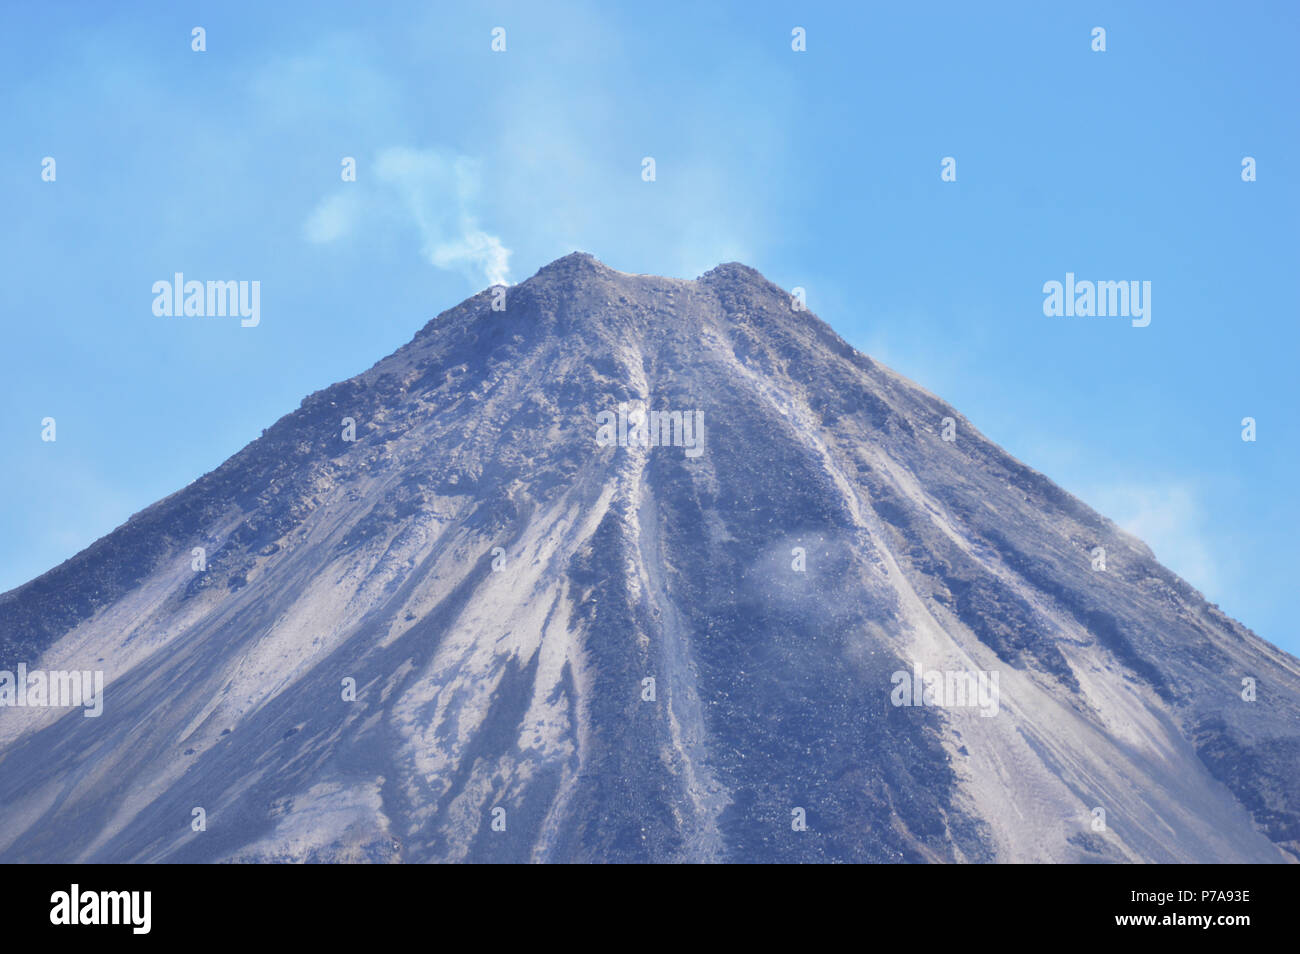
[611, 567]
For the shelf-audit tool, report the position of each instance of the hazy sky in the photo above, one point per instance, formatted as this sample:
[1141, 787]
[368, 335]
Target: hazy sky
[820, 168]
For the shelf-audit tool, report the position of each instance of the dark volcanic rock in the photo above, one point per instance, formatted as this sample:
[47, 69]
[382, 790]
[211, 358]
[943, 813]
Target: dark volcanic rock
[501, 589]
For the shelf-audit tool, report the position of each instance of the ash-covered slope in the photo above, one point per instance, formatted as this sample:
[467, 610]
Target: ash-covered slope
[501, 586]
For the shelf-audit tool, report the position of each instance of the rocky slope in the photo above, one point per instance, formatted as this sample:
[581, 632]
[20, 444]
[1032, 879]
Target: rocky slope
[501, 586]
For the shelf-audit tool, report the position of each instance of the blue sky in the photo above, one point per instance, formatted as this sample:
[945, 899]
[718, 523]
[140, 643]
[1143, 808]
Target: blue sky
[819, 168]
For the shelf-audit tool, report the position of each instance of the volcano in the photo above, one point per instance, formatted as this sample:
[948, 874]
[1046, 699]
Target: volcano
[475, 604]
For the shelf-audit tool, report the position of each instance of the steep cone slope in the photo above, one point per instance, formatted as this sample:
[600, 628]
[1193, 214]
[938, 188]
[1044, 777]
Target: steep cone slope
[501, 587]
